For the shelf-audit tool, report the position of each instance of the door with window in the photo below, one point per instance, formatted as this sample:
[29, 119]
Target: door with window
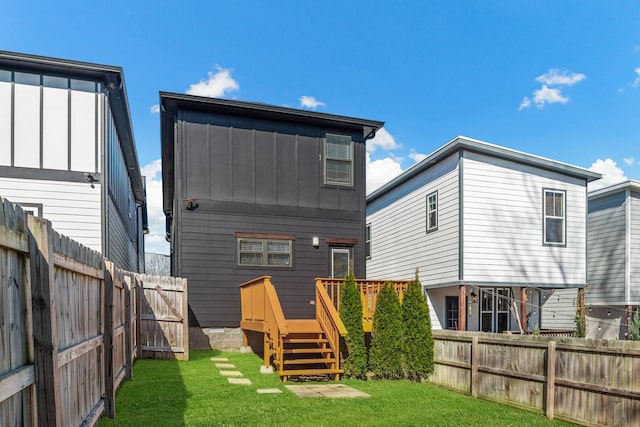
[339, 262]
[494, 309]
[453, 310]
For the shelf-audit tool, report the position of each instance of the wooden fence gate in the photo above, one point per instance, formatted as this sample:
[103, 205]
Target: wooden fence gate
[164, 316]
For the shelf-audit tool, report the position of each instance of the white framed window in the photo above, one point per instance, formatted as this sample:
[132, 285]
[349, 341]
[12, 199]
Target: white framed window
[340, 263]
[264, 252]
[432, 211]
[367, 241]
[338, 159]
[554, 217]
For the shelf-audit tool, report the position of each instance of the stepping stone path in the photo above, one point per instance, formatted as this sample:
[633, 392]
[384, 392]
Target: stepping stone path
[269, 390]
[326, 390]
[232, 375]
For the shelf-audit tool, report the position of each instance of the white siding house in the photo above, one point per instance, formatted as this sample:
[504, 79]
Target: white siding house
[497, 235]
[613, 225]
[67, 152]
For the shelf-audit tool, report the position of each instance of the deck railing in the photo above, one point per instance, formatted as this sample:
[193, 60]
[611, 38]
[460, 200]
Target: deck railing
[329, 320]
[369, 290]
[261, 312]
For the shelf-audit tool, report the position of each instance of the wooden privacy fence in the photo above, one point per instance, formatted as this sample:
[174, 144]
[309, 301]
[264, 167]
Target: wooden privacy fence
[69, 326]
[590, 382]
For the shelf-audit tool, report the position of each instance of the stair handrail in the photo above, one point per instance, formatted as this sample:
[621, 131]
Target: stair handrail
[329, 319]
[260, 304]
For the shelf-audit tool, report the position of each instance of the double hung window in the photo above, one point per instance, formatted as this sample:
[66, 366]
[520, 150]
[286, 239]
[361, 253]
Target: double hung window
[432, 211]
[338, 160]
[554, 217]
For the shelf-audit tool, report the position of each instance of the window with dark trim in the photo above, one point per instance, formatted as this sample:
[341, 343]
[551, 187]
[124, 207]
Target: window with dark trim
[367, 241]
[432, 211]
[453, 310]
[554, 217]
[264, 252]
[338, 159]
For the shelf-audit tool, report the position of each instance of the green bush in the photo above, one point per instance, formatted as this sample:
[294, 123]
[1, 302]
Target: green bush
[417, 336]
[635, 327]
[354, 353]
[385, 354]
[581, 312]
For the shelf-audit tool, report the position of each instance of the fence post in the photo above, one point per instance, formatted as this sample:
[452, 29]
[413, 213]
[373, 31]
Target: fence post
[127, 327]
[139, 295]
[475, 351]
[109, 380]
[551, 379]
[185, 319]
[45, 319]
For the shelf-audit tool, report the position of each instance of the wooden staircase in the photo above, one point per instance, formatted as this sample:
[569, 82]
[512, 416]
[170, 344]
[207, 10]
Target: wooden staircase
[307, 352]
[295, 347]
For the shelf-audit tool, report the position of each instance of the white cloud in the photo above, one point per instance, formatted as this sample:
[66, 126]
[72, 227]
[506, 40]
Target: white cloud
[611, 174]
[384, 140]
[416, 157]
[547, 95]
[636, 82]
[155, 240]
[216, 85]
[556, 77]
[155, 109]
[381, 171]
[310, 102]
[629, 161]
[526, 103]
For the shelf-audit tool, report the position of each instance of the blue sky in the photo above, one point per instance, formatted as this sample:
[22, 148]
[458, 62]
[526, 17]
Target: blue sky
[556, 79]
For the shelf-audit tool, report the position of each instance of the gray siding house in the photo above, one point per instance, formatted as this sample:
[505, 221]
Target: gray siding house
[613, 225]
[253, 189]
[67, 152]
[498, 235]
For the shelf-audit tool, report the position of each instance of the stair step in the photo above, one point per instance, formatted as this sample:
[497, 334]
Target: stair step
[306, 350]
[310, 372]
[305, 340]
[308, 361]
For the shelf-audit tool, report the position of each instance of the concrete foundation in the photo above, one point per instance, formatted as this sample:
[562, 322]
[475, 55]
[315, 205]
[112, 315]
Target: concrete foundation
[226, 339]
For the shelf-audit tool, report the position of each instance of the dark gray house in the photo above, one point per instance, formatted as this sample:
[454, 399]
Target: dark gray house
[67, 152]
[253, 189]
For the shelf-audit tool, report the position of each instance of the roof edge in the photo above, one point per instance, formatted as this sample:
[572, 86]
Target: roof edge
[475, 145]
[631, 184]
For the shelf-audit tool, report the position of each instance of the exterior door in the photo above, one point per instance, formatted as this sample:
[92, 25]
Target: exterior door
[494, 309]
[452, 306]
[340, 258]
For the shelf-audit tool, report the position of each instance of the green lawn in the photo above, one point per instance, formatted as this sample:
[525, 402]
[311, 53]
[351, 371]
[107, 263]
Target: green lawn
[168, 393]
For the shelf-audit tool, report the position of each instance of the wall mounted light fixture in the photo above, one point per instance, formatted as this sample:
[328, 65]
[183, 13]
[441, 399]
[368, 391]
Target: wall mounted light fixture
[474, 297]
[316, 241]
[191, 203]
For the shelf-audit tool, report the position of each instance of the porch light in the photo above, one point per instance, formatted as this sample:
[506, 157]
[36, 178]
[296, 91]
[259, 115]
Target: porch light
[316, 241]
[474, 297]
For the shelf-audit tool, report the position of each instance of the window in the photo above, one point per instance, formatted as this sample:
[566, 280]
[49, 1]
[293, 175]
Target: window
[338, 160]
[432, 211]
[339, 263]
[554, 217]
[264, 252]
[367, 241]
[452, 304]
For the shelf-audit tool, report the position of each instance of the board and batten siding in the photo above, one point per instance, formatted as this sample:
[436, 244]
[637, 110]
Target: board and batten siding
[270, 164]
[74, 209]
[606, 225]
[207, 256]
[122, 246]
[634, 256]
[502, 224]
[399, 240]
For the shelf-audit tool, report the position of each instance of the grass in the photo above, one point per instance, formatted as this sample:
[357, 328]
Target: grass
[193, 393]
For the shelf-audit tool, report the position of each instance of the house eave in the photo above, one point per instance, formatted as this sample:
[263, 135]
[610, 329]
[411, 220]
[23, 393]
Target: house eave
[631, 184]
[113, 79]
[481, 147]
[171, 103]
